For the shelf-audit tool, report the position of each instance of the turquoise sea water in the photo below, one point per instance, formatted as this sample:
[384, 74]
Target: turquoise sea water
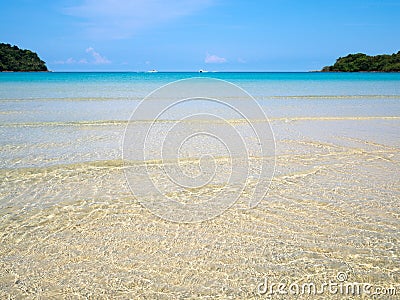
[50, 118]
[71, 227]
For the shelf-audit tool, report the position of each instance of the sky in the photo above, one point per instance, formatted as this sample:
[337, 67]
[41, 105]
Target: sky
[188, 35]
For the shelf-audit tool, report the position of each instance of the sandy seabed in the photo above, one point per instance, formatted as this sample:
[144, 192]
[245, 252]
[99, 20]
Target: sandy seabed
[75, 231]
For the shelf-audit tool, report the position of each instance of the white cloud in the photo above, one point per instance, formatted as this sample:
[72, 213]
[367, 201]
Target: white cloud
[214, 59]
[70, 61]
[113, 19]
[98, 59]
[241, 60]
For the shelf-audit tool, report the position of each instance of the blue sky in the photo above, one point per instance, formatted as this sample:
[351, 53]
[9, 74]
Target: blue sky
[188, 35]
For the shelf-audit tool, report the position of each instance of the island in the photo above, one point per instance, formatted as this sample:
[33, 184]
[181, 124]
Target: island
[14, 59]
[361, 62]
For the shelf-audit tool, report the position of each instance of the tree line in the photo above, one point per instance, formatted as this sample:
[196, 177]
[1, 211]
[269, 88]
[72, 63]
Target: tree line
[361, 62]
[15, 59]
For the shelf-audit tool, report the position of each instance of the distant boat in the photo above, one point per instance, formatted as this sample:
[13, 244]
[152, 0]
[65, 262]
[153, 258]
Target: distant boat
[152, 71]
[202, 71]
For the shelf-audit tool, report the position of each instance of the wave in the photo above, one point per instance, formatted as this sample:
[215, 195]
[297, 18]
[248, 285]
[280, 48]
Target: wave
[258, 97]
[130, 98]
[229, 121]
[332, 97]
[72, 123]
[351, 118]
[116, 163]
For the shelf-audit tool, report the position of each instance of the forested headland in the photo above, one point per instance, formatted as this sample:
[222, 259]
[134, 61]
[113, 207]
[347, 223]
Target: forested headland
[14, 59]
[361, 62]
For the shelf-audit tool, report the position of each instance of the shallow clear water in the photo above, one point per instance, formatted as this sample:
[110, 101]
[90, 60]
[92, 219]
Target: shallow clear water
[72, 228]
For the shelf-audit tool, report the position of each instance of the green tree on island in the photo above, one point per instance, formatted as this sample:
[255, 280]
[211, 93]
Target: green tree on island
[15, 59]
[361, 62]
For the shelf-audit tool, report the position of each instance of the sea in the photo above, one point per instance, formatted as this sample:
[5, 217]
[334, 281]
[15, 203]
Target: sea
[197, 185]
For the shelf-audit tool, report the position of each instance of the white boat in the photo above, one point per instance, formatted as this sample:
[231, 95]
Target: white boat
[152, 71]
[202, 71]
